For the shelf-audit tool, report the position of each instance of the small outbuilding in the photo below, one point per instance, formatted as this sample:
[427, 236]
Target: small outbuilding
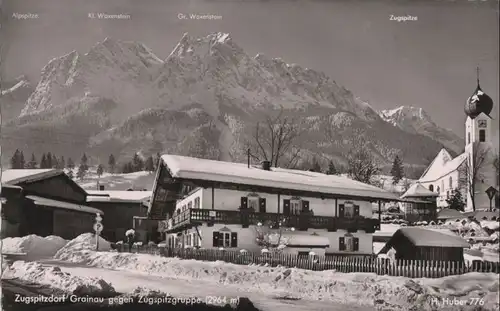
[424, 244]
[419, 204]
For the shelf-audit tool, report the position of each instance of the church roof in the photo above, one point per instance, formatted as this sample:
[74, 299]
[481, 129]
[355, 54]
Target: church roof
[417, 190]
[442, 165]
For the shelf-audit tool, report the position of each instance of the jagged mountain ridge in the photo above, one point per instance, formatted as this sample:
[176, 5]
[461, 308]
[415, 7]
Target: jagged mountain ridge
[208, 91]
[417, 121]
[13, 96]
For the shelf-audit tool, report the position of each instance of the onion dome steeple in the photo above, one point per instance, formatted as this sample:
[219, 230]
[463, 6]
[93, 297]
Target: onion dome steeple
[479, 102]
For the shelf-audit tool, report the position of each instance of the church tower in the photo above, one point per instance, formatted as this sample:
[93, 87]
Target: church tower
[479, 146]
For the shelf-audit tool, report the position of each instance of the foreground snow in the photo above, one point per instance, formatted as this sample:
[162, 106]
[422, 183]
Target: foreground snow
[35, 247]
[366, 289]
[55, 278]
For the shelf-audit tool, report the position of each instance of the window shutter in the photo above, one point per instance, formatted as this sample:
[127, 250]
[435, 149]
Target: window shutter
[341, 210]
[244, 202]
[216, 239]
[355, 244]
[356, 210]
[286, 207]
[234, 239]
[305, 206]
[341, 244]
[262, 205]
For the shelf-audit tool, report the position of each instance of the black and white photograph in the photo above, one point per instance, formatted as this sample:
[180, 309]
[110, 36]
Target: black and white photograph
[249, 155]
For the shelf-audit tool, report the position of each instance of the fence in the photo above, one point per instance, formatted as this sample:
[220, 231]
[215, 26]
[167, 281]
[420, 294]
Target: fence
[346, 264]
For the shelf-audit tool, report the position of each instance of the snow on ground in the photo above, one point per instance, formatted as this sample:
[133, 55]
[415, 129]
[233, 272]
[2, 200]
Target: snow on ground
[352, 288]
[136, 181]
[35, 247]
[83, 243]
[55, 278]
[492, 225]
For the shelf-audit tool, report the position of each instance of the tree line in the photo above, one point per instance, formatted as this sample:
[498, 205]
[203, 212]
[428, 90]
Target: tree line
[50, 160]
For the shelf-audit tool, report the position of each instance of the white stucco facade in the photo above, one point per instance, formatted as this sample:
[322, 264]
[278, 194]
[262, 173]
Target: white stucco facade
[230, 200]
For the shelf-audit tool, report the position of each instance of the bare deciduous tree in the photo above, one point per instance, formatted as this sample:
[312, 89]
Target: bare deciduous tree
[470, 170]
[274, 140]
[361, 164]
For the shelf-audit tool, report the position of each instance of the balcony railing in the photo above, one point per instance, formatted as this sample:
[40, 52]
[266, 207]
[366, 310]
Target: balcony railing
[191, 217]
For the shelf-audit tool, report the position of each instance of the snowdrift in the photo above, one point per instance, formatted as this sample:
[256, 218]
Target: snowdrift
[34, 246]
[394, 293]
[83, 243]
[55, 278]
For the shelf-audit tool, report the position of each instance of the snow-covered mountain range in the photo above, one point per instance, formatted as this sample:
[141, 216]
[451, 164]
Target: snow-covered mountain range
[204, 99]
[416, 120]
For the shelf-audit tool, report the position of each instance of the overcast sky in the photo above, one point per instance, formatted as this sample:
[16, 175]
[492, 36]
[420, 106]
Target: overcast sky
[428, 63]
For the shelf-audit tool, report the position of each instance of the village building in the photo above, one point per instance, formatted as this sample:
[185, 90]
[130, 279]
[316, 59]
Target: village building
[44, 202]
[424, 244]
[122, 208]
[474, 168]
[214, 204]
[419, 204]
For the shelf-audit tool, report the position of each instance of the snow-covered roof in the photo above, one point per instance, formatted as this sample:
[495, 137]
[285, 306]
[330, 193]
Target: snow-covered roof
[449, 213]
[61, 204]
[15, 176]
[117, 196]
[238, 173]
[418, 191]
[442, 165]
[425, 237]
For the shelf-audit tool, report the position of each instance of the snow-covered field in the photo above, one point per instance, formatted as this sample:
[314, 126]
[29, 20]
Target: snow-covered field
[88, 270]
[136, 181]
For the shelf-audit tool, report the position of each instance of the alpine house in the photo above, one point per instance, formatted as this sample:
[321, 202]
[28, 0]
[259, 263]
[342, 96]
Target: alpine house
[214, 204]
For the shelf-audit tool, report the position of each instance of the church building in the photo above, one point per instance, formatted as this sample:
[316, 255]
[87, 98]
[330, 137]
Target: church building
[473, 171]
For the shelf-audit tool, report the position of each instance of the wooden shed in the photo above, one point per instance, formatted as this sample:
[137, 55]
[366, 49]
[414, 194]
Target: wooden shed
[425, 244]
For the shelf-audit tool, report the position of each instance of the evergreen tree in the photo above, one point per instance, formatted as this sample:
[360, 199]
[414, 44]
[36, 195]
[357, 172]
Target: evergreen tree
[22, 162]
[70, 174]
[55, 161]
[48, 160]
[112, 163]
[137, 163]
[43, 161]
[14, 161]
[332, 170]
[127, 168]
[100, 170]
[455, 201]
[397, 171]
[71, 164]
[61, 163]
[157, 160]
[149, 165]
[84, 162]
[32, 163]
[82, 171]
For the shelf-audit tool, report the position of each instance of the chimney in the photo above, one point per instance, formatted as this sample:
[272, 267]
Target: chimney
[101, 187]
[266, 165]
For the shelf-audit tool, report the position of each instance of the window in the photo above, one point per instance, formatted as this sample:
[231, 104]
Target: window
[253, 202]
[448, 194]
[196, 240]
[225, 239]
[190, 205]
[438, 189]
[431, 188]
[348, 210]
[482, 136]
[468, 138]
[450, 181]
[348, 243]
[197, 202]
[188, 240]
[295, 207]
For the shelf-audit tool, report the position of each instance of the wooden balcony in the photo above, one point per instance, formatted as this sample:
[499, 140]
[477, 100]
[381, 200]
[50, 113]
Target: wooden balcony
[194, 217]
